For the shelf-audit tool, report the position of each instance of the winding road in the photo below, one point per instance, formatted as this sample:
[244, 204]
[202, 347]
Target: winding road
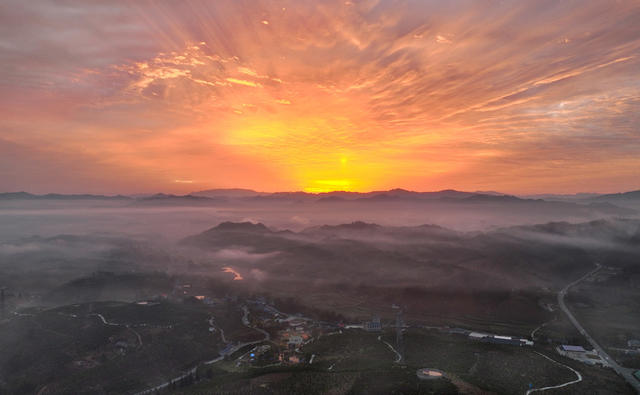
[104, 321]
[579, 379]
[626, 373]
[533, 332]
[192, 371]
[398, 356]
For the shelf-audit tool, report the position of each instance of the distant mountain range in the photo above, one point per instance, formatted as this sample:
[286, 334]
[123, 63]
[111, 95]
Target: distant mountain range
[399, 193]
[601, 202]
[338, 195]
[633, 195]
[231, 192]
[57, 196]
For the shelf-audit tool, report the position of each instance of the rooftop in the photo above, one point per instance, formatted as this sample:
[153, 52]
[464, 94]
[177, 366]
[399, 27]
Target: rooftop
[573, 348]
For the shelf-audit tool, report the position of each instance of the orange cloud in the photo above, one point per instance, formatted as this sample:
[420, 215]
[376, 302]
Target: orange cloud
[330, 95]
[243, 82]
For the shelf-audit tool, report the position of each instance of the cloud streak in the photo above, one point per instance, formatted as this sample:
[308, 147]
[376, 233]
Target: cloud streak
[519, 97]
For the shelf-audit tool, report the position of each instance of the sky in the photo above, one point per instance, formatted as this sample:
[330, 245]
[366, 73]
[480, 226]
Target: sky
[111, 96]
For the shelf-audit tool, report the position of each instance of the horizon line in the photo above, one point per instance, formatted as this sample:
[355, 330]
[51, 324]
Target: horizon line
[192, 193]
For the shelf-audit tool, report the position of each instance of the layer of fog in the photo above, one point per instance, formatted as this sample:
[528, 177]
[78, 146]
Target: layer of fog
[466, 243]
[44, 218]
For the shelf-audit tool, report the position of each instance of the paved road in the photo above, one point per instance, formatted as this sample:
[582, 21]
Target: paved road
[626, 373]
[192, 371]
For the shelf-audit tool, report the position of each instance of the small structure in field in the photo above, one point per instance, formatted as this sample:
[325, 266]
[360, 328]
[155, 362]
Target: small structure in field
[430, 374]
[497, 339]
[567, 348]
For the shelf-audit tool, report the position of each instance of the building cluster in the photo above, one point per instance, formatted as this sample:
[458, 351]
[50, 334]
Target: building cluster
[290, 332]
[579, 353]
[372, 326]
[257, 354]
[298, 331]
[633, 344]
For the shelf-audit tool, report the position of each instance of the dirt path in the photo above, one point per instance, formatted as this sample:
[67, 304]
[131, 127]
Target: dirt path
[398, 356]
[579, 379]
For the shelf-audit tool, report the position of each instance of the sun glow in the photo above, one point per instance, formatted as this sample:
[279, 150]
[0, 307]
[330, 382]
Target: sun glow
[321, 186]
[325, 96]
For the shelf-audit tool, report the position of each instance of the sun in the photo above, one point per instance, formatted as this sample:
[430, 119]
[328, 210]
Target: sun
[323, 186]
